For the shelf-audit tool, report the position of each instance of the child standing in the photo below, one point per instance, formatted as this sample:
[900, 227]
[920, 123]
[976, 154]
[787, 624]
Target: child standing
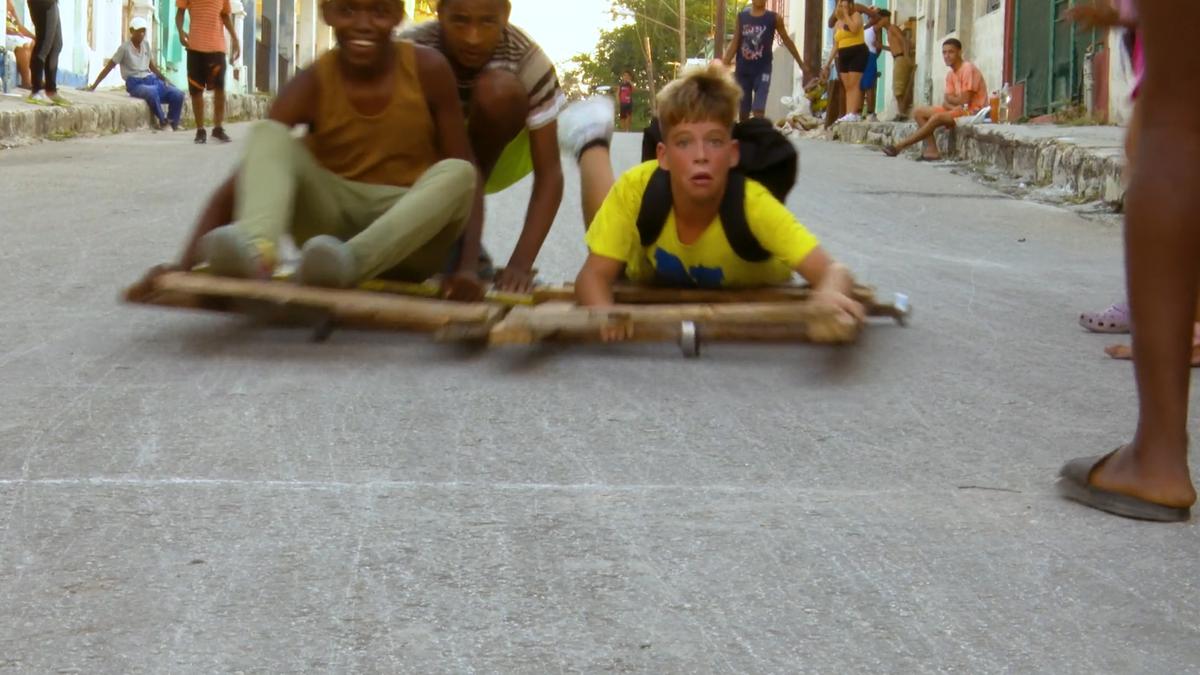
[205, 43]
[625, 98]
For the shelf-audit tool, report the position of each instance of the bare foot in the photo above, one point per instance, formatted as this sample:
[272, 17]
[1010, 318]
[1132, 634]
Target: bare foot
[1129, 472]
[1125, 352]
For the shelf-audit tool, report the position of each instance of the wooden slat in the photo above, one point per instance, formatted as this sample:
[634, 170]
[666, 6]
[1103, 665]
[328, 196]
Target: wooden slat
[634, 294]
[751, 321]
[345, 307]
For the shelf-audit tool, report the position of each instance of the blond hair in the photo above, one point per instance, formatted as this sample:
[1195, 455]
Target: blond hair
[703, 94]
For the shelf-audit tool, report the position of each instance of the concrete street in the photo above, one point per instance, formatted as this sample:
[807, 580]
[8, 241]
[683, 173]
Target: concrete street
[192, 493]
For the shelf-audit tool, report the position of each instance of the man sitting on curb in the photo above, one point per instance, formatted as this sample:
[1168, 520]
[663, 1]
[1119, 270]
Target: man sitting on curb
[966, 94]
[142, 78]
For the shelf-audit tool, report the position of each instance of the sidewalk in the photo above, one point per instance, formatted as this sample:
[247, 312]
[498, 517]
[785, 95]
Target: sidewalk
[106, 111]
[1084, 162]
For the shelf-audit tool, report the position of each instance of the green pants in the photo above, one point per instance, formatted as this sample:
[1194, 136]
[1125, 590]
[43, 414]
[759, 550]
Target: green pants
[401, 233]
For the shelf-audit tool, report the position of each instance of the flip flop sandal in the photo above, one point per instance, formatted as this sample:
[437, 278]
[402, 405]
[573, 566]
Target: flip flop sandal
[1115, 319]
[1074, 483]
[890, 150]
[923, 158]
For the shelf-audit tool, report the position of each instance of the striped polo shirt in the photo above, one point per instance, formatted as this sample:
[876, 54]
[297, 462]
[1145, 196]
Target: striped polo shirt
[206, 31]
[516, 53]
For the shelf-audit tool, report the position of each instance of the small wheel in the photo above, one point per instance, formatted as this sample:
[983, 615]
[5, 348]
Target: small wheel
[323, 330]
[689, 339]
[903, 308]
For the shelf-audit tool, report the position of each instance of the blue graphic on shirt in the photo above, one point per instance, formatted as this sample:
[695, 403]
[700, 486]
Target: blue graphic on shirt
[758, 38]
[669, 271]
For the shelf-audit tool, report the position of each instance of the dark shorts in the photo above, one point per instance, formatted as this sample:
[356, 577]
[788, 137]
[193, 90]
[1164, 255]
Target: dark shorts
[626, 110]
[755, 87]
[871, 74]
[205, 70]
[853, 59]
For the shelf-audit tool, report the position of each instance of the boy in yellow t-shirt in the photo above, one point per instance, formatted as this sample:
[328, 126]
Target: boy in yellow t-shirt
[697, 114]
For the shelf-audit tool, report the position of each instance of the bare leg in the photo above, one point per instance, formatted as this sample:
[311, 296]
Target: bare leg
[218, 107]
[929, 122]
[24, 55]
[595, 180]
[198, 109]
[497, 114]
[854, 93]
[1162, 246]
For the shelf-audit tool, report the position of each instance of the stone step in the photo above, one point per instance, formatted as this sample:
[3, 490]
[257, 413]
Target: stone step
[100, 113]
[1087, 163]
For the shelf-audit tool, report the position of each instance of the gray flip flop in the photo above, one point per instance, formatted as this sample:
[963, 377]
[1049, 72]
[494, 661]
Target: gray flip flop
[1074, 483]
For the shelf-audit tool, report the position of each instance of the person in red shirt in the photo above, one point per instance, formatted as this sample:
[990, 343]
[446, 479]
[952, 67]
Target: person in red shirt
[206, 59]
[966, 94]
[625, 98]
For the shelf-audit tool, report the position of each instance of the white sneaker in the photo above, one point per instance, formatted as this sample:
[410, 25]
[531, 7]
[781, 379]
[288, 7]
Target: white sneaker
[581, 123]
[229, 253]
[850, 117]
[40, 98]
[328, 262]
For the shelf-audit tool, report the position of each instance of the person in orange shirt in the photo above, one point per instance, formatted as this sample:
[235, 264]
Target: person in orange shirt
[966, 94]
[206, 59]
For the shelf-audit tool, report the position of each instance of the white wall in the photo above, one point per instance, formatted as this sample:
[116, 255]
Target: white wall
[987, 47]
[1120, 81]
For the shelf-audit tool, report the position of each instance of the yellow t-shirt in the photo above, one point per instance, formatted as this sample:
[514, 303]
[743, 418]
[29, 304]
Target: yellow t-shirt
[846, 38]
[710, 261]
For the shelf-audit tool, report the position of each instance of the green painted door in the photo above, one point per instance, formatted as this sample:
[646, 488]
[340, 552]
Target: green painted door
[171, 56]
[881, 87]
[1049, 55]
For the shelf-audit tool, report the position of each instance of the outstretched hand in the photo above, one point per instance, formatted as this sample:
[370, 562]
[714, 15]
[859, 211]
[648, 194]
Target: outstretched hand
[847, 314]
[463, 287]
[514, 280]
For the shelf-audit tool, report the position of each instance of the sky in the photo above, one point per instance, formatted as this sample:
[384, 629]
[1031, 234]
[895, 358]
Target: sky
[563, 28]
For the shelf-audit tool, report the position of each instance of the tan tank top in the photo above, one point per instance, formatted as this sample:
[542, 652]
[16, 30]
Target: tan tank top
[393, 147]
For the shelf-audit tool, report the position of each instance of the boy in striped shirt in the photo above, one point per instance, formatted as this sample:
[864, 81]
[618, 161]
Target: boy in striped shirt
[205, 43]
[511, 99]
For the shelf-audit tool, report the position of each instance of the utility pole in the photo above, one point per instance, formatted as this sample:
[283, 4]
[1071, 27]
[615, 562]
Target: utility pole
[719, 34]
[682, 34]
[650, 73]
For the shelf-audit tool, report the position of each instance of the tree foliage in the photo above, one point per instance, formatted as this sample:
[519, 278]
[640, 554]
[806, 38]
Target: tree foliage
[623, 47]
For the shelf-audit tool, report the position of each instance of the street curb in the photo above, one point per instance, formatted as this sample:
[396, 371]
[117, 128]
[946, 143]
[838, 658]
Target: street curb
[1085, 174]
[32, 124]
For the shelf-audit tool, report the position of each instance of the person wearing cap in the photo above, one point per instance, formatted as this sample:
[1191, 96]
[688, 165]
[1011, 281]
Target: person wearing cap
[142, 78]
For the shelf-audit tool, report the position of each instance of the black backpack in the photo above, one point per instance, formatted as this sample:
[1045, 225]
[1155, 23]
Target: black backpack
[767, 156]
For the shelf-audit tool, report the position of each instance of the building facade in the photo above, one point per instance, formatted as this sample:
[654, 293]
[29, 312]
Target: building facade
[292, 31]
[1049, 63]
